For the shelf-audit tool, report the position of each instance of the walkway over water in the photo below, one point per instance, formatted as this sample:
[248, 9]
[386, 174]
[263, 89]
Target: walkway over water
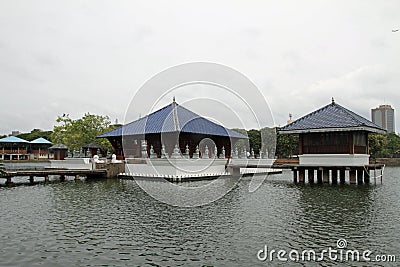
[99, 173]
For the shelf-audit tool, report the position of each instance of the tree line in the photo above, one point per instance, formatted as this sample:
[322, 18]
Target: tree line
[78, 132]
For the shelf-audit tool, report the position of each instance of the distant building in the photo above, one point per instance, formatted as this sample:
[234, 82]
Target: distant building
[13, 148]
[39, 149]
[15, 133]
[384, 117]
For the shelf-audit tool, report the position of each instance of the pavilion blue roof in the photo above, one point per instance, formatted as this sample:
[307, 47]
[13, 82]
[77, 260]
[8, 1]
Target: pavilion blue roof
[173, 118]
[332, 117]
[40, 140]
[12, 139]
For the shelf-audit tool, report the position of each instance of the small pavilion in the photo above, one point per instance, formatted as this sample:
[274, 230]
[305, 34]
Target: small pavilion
[172, 129]
[92, 149]
[59, 150]
[39, 148]
[13, 148]
[332, 139]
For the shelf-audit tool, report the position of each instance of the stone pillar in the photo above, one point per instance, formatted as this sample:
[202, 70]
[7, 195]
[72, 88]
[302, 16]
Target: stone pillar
[302, 174]
[311, 176]
[334, 176]
[325, 176]
[360, 176]
[342, 176]
[352, 175]
[233, 171]
[366, 176]
[319, 175]
[294, 176]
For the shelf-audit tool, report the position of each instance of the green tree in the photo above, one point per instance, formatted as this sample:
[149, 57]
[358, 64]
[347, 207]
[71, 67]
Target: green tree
[268, 139]
[392, 144]
[377, 145]
[76, 133]
[254, 140]
[287, 145]
[34, 134]
[384, 145]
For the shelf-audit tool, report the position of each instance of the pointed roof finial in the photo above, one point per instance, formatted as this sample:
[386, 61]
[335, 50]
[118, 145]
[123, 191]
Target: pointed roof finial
[173, 99]
[333, 101]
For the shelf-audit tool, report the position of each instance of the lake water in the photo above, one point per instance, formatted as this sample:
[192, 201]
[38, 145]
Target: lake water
[115, 223]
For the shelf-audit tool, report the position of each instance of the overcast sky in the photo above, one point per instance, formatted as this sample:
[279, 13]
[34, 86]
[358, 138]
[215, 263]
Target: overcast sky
[92, 56]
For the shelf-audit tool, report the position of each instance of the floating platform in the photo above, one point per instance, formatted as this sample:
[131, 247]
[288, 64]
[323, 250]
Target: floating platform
[173, 178]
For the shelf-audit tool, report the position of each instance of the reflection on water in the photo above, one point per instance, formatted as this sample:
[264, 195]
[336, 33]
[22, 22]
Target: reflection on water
[114, 222]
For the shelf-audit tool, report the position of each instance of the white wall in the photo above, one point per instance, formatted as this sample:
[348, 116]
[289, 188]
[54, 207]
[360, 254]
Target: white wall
[334, 159]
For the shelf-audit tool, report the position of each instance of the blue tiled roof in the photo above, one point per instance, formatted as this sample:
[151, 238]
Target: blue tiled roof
[332, 117]
[12, 139]
[40, 140]
[172, 118]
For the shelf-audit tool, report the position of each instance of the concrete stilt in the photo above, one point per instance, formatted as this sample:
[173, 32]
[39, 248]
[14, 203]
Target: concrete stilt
[319, 176]
[77, 178]
[334, 176]
[46, 178]
[366, 176]
[311, 176]
[325, 176]
[62, 177]
[31, 179]
[302, 174]
[360, 176]
[295, 176]
[352, 175]
[342, 177]
[9, 180]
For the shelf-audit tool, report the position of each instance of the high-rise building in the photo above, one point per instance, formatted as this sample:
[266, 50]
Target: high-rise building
[384, 117]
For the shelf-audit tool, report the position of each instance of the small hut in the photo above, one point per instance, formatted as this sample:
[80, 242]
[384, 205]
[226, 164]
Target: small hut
[39, 148]
[59, 150]
[332, 139]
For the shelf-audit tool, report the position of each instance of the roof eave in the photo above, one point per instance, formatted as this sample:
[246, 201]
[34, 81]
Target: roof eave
[141, 134]
[338, 129]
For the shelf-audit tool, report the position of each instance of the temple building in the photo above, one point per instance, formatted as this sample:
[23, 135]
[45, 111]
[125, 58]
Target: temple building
[13, 148]
[170, 128]
[332, 138]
